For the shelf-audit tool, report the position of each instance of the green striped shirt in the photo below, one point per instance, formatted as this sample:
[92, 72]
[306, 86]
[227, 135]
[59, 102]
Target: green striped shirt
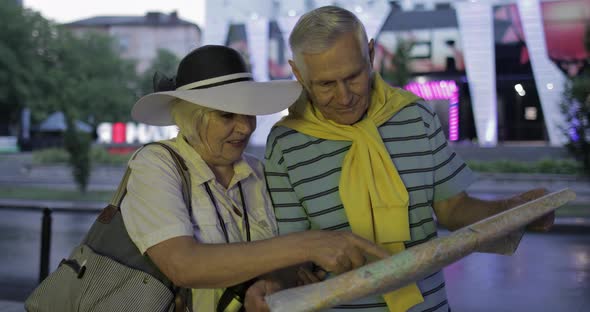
[303, 174]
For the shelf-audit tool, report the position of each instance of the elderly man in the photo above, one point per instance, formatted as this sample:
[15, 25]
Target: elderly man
[357, 155]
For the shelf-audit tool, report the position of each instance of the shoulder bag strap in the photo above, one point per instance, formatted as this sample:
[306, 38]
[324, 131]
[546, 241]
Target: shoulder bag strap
[184, 175]
[180, 167]
[183, 298]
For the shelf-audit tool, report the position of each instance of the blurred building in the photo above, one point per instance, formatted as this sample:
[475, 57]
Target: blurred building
[493, 70]
[140, 37]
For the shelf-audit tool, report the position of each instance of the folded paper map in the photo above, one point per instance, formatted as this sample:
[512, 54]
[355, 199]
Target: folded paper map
[419, 261]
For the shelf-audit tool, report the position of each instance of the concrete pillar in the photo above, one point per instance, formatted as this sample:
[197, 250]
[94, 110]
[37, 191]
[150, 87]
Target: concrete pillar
[549, 80]
[257, 36]
[477, 35]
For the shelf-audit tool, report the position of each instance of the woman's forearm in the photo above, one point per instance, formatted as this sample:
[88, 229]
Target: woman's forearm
[191, 264]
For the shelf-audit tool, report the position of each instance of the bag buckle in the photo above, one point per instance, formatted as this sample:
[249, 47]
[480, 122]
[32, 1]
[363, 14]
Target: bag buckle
[73, 264]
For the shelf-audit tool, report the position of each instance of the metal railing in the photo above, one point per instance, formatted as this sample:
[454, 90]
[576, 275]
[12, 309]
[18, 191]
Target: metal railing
[46, 212]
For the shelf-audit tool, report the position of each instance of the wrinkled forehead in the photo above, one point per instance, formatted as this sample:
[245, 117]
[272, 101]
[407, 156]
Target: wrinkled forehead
[345, 57]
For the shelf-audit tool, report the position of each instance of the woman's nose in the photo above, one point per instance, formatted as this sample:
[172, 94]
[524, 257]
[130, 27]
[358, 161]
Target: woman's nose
[246, 124]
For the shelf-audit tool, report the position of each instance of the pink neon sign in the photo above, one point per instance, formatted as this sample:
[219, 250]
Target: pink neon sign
[441, 90]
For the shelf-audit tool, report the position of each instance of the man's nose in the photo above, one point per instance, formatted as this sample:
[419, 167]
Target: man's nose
[344, 94]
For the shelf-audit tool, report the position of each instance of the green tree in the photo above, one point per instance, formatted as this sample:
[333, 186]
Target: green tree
[165, 62]
[36, 56]
[24, 36]
[45, 67]
[400, 74]
[576, 109]
[90, 82]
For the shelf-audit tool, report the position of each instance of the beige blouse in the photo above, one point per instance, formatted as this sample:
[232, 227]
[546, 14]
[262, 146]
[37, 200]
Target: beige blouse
[153, 209]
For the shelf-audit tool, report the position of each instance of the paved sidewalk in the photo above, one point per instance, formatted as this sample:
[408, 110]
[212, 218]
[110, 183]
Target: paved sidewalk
[11, 306]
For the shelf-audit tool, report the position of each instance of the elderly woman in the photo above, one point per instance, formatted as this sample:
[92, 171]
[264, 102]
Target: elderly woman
[228, 239]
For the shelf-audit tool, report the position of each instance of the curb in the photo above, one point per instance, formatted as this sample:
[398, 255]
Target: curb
[571, 225]
[11, 306]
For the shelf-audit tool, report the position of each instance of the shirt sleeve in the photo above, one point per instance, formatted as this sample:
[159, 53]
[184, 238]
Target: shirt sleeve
[290, 214]
[266, 203]
[153, 209]
[451, 173]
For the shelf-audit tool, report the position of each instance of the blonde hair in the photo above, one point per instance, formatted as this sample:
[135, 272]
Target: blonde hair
[191, 119]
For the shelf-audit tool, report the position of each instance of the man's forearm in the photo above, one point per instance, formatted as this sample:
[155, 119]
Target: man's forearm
[462, 210]
[475, 209]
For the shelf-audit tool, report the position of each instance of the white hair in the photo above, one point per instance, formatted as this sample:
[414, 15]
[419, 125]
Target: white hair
[317, 30]
[191, 120]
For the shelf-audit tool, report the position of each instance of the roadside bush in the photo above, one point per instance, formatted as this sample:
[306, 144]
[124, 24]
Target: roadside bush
[98, 155]
[78, 144]
[576, 110]
[546, 166]
[558, 166]
[50, 156]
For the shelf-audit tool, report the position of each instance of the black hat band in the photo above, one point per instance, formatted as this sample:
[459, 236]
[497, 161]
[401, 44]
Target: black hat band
[217, 81]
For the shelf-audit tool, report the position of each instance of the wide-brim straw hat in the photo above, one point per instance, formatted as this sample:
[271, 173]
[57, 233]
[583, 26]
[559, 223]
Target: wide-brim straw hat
[216, 77]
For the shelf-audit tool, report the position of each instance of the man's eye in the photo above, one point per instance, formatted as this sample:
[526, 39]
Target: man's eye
[228, 115]
[325, 85]
[356, 77]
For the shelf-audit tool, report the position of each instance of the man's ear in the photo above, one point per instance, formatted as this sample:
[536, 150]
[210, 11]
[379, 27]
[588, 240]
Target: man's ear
[296, 72]
[371, 51]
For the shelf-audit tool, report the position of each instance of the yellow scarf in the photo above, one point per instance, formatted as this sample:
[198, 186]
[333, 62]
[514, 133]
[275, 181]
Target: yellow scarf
[372, 192]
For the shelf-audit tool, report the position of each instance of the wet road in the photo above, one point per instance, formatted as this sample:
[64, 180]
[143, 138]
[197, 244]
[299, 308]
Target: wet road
[549, 272]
